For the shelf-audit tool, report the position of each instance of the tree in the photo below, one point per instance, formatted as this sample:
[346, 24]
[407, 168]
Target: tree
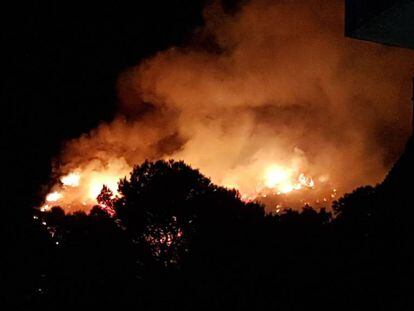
[167, 204]
[105, 200]
[354, 211]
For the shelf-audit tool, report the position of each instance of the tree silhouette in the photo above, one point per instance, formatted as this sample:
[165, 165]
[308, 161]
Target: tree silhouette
[355, 211]
[174, 240]
[167, 204]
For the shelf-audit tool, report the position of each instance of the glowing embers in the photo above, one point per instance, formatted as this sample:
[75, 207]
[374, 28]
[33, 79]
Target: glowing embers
[166, 241]
[285, 180]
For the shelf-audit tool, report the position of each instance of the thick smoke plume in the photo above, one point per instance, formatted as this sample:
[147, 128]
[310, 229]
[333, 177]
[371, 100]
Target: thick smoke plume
[274, 84]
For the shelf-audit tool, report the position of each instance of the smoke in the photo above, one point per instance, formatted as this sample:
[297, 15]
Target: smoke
[275, 83]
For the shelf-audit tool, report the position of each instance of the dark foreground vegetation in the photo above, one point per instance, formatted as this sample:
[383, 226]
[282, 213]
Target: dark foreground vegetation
[178, 242]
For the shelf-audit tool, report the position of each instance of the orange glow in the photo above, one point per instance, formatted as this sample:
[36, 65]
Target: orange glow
[276, 176]
[98, 180]
[283, 181]
[53, 196]
[284, 113]
[79, 189]
[71, 180]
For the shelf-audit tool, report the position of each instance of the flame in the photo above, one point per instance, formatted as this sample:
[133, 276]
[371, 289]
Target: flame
[275, 176]
[79, 189]
[54, 196]
[98, 180]
[282, 180]
[71, 180]
[286, 78]
[271, 179]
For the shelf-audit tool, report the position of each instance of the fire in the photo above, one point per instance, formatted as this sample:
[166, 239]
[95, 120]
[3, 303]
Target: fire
[53, 196]
[278, 184]
[283, 180]
[281, 113]
[79, 189]
[98, 180]
[71, 180]
[276, 176]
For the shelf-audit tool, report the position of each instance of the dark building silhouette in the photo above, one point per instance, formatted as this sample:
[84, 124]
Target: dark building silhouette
[384, 21]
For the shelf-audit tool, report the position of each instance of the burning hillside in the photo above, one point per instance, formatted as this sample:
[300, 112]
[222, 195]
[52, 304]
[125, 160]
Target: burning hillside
[271, 100]
[80, 189]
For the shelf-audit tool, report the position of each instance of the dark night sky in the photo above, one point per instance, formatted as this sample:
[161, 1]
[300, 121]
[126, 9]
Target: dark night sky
[61, 65]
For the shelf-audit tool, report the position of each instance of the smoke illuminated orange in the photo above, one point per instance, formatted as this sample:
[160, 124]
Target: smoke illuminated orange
[286, 109]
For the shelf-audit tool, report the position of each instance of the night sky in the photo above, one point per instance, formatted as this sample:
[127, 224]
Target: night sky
[62, 62]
